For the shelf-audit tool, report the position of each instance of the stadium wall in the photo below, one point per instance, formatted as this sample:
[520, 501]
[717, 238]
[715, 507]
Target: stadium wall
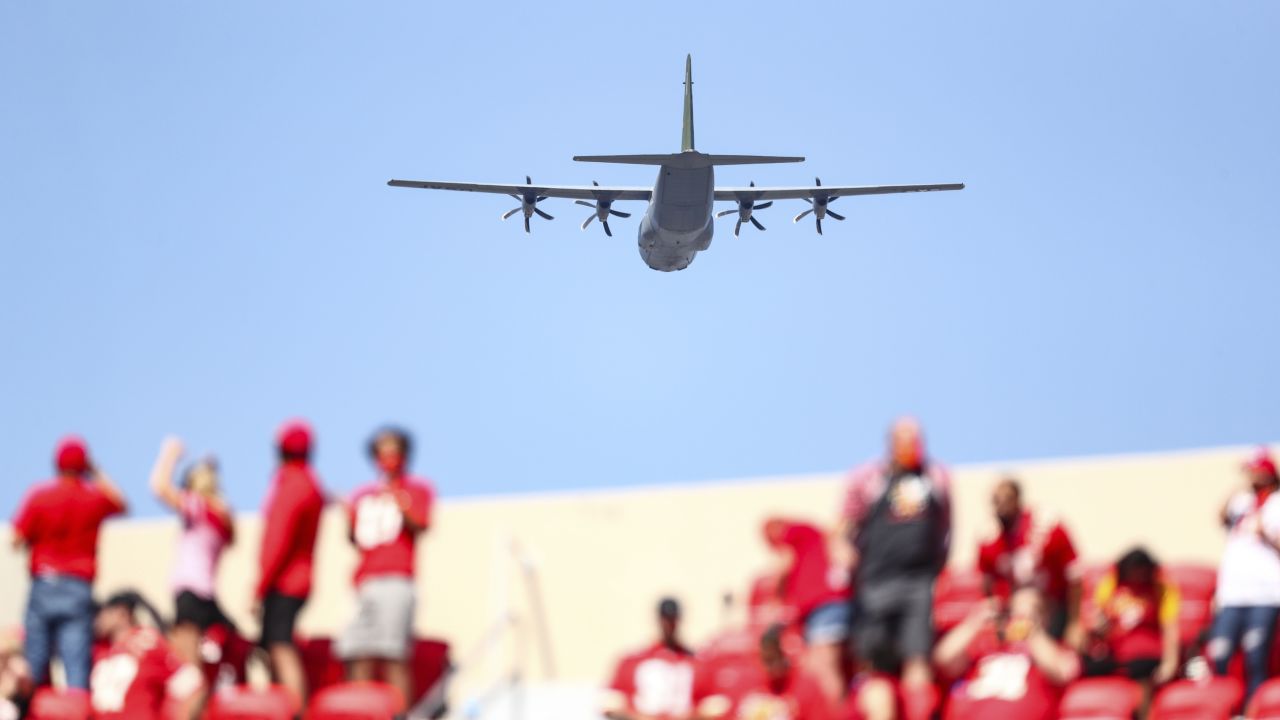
[603, 557]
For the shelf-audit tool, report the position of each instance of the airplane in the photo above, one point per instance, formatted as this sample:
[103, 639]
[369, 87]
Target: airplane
[679, 221]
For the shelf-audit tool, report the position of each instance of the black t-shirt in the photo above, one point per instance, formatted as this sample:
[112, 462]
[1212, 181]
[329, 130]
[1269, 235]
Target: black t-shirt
[904, 533]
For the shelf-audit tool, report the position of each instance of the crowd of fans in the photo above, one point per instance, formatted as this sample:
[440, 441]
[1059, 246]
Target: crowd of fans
[855, 624]
[136, 670]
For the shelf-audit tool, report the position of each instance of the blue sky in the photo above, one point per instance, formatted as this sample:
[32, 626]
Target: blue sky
[196, 236]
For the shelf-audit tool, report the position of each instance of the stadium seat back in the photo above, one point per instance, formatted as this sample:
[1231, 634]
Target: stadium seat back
[1103, 698]
[956, 593]
[356, 701]
[1193, 580]
[69, 704]
[244, 703]
[1212, 699]
[1265, 703]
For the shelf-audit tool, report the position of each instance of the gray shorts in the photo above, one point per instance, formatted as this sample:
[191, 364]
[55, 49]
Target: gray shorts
[895, 621]
[384, 620]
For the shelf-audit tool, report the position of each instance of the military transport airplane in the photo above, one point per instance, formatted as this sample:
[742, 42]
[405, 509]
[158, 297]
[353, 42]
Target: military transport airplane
[678, 223]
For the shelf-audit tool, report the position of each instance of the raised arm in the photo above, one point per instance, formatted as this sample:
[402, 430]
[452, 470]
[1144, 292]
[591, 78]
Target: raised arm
[1058, 664]
[952, 652]
[110, 492]
[162, 485]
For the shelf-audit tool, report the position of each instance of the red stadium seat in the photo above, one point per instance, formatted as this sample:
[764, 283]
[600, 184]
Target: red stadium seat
[1103, 698]
[244, 703]
[1196, 585]
[955, 595]
[319, 664]
[356, 701]
[430, 661]
[70, 704]
[1265, 703]
[1213, 699]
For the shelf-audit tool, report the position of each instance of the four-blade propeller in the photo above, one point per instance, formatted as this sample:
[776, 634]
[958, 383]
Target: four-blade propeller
[529, 200]
[603, 209]
[746, 204]
[819, 202]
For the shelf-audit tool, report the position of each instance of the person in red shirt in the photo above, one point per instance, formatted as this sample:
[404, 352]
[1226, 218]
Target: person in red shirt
[136, 675]
[1023, 552]
[777, 690]
[819, 594]
[387, 518]
[59, 522]
[1134, 629]
[291, 517]
[655, 683]
[1011, 667]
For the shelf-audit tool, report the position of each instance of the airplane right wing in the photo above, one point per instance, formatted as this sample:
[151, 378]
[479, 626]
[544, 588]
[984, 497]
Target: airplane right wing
[572, 192]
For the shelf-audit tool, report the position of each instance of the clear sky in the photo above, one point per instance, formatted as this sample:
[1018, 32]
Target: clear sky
[196, 236]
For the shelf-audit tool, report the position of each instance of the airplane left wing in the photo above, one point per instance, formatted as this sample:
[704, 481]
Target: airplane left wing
[824, 191]
[572, 192]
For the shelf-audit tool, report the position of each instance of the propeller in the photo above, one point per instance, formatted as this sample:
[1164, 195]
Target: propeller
[603, 209]
[819, 202]
[746, 204]
[529, 200]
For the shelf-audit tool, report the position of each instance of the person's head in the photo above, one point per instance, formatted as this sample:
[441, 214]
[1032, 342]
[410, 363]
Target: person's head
[202, 477]
[1024, 614]
[1261, 470]
[119, 614]
[389, 449]
[294, 441]
[71, 457]
[669, 620]
[1137, 568]
[772, 530]
[772, 656]
[906, 444]
[1006, 500]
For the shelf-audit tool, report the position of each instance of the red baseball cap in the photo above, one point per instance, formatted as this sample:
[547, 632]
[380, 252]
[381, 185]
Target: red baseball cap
[1261, 462]
[71, 457]
[294, 437]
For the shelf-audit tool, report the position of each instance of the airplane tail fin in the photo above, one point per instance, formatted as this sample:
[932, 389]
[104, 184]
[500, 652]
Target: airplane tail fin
[686, 138]
[688, 157]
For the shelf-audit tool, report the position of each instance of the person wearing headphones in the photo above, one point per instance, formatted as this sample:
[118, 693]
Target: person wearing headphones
[387, 517]
[138, 676]
[206, 531]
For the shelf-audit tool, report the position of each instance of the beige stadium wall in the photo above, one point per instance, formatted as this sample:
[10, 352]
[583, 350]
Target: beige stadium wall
[601, 558]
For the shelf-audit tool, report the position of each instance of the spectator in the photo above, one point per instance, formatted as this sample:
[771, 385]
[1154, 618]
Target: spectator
[897, 516]
[780, 691]
[819, 594]
[206, 530]
[1135, 629]
[138, 674]
[655, 683]
[292, 517]
[1023, 553]
[1011, 666]
[1248, 597]
[387, 517]
[59, 522]
[15, 678]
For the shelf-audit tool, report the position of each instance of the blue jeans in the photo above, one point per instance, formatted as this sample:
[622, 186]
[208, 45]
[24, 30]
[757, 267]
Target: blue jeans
[1249, 628]
[60, 616]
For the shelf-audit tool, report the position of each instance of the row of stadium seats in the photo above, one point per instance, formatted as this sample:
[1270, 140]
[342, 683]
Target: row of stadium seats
[344, 701]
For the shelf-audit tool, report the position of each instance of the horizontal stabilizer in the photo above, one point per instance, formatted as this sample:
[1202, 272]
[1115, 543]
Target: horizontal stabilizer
[689, 159]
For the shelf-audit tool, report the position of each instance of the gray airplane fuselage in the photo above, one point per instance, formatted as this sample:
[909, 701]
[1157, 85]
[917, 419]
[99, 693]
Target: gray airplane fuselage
[678, 223]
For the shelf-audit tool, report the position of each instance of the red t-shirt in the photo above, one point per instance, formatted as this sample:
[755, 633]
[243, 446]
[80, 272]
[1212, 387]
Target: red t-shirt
[133, 678]
[753, 695]
[810, 581]
[378, 526]
[1003, 682]
[1040, 556]
[292, 517]
[59, 520]
[657, 682]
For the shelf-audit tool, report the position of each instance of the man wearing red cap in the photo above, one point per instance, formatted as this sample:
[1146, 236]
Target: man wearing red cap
[59, 522]
[897, 517]
[1248, 594]
[291, 518]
